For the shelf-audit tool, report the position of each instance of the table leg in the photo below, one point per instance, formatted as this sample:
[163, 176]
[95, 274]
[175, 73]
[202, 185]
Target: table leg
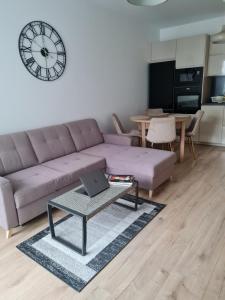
[182, 141]
[143, 140]
[50, 219]
[84, 235]
[136, 196]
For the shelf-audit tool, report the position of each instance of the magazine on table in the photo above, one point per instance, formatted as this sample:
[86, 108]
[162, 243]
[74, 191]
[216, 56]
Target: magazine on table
[121, 180]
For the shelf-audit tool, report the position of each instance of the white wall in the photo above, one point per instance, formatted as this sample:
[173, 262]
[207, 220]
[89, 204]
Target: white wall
[105, 71]
[209, 26]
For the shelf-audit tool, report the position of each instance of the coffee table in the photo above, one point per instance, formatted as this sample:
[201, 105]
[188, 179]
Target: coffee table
[85, 207]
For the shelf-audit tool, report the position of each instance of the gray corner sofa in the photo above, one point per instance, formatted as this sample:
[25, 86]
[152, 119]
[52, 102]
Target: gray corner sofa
[37, 165]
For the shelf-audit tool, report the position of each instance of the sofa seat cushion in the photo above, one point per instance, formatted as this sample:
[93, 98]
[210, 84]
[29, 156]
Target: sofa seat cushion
[85, 133]
[34, 183]
[144, 164]
[16, 153]
[51, 142]
[75, 164]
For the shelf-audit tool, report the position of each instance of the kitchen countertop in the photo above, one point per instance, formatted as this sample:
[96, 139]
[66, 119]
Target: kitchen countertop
[213, 104]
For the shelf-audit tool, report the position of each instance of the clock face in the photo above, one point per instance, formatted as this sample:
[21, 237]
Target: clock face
[42, 51]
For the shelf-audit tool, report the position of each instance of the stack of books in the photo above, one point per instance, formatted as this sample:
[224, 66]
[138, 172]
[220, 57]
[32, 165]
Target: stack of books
[121, 180]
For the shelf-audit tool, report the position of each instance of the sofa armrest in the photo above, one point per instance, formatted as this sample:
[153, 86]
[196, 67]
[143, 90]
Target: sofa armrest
[8, 213]
[117, 139]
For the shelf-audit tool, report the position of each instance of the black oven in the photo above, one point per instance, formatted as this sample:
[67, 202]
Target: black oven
[187, 99]
[188, 77]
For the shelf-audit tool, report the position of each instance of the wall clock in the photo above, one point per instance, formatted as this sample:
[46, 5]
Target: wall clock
[42, 51]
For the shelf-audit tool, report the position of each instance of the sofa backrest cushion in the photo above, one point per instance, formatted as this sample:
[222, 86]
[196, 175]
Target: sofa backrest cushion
[85, 133]
[16, 153]
[51, 142]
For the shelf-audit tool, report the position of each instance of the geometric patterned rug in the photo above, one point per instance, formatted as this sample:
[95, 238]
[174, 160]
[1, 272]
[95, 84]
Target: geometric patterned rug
[108, 233]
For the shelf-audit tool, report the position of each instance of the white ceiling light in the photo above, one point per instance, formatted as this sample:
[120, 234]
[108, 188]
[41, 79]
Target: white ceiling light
[219, 38]
[147, 2]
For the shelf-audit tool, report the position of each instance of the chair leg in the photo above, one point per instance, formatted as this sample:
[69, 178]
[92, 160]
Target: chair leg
[193, 148]
[139, 141]
[171, 147]
[8, 233]
[152, 145]
[150, 194]
[189, 143]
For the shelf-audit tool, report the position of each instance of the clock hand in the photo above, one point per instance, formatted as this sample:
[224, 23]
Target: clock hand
[46, 67]
[36, 44]
[57, 52]
[46, 48]
[43, 41]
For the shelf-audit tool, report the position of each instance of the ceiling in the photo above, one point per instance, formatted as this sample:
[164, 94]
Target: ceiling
[172, 13]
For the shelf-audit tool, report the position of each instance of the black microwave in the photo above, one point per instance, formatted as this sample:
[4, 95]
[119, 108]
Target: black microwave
[189, 77]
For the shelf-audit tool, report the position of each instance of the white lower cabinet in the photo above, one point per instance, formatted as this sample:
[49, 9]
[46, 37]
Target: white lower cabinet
[223, 135]
[211, 127]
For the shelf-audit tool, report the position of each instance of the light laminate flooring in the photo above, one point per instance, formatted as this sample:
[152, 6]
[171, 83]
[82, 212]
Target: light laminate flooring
[179, 255]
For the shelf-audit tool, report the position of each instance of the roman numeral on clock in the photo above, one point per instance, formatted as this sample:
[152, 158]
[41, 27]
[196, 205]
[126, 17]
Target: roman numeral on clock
[27, 37]
[42, 29]
[30, 61]
[33, 30]
[38, 71]
[25, 49]
[61, 53]
[58, 42]
[48, 75]
[56, 72]
[60, 63]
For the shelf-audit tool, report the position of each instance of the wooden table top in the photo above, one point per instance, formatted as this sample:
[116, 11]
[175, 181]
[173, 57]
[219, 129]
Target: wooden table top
[147, 119]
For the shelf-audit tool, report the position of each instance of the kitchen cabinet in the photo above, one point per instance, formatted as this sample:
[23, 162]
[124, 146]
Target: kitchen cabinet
[163, 51]
[211, 126]
[191, 52]
[223, 128]
[223, 136]
[216, 65]
[216, 49]
[161, 74]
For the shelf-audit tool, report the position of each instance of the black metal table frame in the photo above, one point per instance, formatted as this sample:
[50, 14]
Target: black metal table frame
[83, 249]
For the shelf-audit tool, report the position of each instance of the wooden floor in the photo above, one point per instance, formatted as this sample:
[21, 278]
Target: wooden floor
[179, 255]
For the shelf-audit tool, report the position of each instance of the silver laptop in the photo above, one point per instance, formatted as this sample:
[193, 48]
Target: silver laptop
[93, 183]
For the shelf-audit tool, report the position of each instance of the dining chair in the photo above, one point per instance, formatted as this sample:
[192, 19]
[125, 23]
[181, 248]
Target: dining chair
[153, 111]
[162, 131]
[135, 134]
[192, 130]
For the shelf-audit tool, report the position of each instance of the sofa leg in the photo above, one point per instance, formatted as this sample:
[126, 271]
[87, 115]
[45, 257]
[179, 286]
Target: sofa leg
[150, 194]
[8, 233]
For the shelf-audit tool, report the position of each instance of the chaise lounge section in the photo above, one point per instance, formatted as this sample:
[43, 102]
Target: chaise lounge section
[40, 164]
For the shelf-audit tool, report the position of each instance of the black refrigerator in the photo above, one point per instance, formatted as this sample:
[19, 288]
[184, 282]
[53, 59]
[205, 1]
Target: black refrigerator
[161, 85]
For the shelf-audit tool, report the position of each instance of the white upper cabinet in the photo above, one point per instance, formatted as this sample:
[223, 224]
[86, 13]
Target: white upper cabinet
[163, 51]
[216, 66]
[191, 52]
[216, 49]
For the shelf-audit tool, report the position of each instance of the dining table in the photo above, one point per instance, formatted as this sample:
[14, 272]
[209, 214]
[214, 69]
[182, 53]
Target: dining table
[182, 120]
